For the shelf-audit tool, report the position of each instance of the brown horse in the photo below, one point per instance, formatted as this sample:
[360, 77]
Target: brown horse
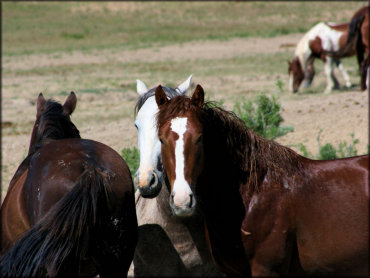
[69, 209]
[268, 211]
[358, 42]
[330, 43]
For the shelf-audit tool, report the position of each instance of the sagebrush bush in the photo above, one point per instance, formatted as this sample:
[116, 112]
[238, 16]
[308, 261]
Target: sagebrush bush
[262, 116]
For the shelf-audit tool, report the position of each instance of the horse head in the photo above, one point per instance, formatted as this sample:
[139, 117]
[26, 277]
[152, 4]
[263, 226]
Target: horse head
[53, 121]
[180, 132]
[149, 176]
[296, 74]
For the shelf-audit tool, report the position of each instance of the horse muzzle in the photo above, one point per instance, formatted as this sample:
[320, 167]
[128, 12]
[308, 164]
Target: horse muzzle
[183, 207]
[150, 186]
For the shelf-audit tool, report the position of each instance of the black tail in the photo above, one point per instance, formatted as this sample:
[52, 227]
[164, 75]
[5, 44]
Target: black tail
[353, 40]
[59, 240]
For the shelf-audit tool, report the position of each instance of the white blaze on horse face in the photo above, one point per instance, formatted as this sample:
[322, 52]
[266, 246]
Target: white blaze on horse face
[181, 188]
[148, 142]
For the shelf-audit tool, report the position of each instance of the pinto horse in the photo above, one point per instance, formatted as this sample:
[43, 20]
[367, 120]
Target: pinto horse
[268, 211]
[320, 38]
[177, 248]
[69, 210]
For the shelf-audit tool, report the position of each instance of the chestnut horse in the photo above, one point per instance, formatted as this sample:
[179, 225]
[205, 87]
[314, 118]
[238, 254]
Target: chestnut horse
[69, 209]
[268, 211]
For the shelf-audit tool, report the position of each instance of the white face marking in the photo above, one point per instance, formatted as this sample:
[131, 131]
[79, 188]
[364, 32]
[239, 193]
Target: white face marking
[148, 142]
[181, 188]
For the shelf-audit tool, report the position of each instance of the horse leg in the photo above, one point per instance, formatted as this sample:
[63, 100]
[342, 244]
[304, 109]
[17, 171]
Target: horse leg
[344, 73]
[332, 82]
[309, 73]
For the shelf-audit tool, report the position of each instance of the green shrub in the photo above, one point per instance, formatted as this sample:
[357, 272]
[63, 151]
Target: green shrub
[328, 151]
[262, 116]
[132, 158]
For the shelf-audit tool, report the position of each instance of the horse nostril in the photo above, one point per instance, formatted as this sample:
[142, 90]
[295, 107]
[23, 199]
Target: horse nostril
[153, 180]
[171, 199]
[191, 200]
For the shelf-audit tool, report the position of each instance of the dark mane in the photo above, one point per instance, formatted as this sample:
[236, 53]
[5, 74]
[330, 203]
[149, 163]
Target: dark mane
[170, 92]
[54, 124]
[247, 153]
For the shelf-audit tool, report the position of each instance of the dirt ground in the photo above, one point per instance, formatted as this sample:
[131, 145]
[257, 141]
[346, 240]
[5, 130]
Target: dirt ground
[109, 118]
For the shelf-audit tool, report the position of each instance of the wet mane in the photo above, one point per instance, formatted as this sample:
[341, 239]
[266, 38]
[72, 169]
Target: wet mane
[170, 93]
[54, 124]
[247, 154]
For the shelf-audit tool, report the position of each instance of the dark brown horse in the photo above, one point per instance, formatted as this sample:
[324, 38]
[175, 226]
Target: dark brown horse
[268, 211]
[357, 42]
[69, 210]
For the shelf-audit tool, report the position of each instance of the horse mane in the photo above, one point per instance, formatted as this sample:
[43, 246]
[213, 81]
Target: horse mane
[54, 124]
[246, 153]
[170, 93]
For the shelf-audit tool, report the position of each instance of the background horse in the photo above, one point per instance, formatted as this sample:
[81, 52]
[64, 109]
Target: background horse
[358, 41]
[264, 205]
[70, 204]
[314, 44]
[167, 246]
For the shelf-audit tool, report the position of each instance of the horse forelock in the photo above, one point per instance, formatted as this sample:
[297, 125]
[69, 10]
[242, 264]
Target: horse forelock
[54, 124]
[170, 93]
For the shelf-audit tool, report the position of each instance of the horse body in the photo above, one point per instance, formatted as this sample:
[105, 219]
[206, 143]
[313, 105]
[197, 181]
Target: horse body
[314, 44]
[70, 207]
[268, 210]
[320, 209]
[167, 245]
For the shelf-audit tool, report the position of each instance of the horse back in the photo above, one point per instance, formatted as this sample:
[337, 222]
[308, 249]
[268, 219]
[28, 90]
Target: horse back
[331, 215]
[55, 168]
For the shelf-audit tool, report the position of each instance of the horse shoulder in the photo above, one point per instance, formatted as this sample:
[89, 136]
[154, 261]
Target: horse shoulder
[267, 228]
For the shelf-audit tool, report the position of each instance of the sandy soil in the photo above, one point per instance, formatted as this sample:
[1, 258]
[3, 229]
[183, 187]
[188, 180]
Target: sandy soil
[338, 114]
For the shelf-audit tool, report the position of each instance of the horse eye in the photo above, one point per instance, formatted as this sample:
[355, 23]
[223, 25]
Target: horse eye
[136, 126]
[160, 140]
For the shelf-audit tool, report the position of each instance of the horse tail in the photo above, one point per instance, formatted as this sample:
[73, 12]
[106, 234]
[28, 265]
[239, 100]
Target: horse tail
[60, 239]
[353, 42]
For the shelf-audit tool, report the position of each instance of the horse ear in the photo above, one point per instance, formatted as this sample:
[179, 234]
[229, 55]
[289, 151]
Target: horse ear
[160, 96]
[198, 96]
[141, 87]
[40, 105]
[184, 86]
[70, 104]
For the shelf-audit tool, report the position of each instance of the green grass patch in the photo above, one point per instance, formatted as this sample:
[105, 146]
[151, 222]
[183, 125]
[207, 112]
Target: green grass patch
[44, 27]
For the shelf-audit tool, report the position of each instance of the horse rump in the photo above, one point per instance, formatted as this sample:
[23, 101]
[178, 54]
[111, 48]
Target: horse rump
[72, 231]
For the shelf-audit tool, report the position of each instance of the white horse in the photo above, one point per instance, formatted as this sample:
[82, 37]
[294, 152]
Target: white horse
[314, 44]
[167, 246]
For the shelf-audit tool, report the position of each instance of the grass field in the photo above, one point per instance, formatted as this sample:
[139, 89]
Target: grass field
[99, 49]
